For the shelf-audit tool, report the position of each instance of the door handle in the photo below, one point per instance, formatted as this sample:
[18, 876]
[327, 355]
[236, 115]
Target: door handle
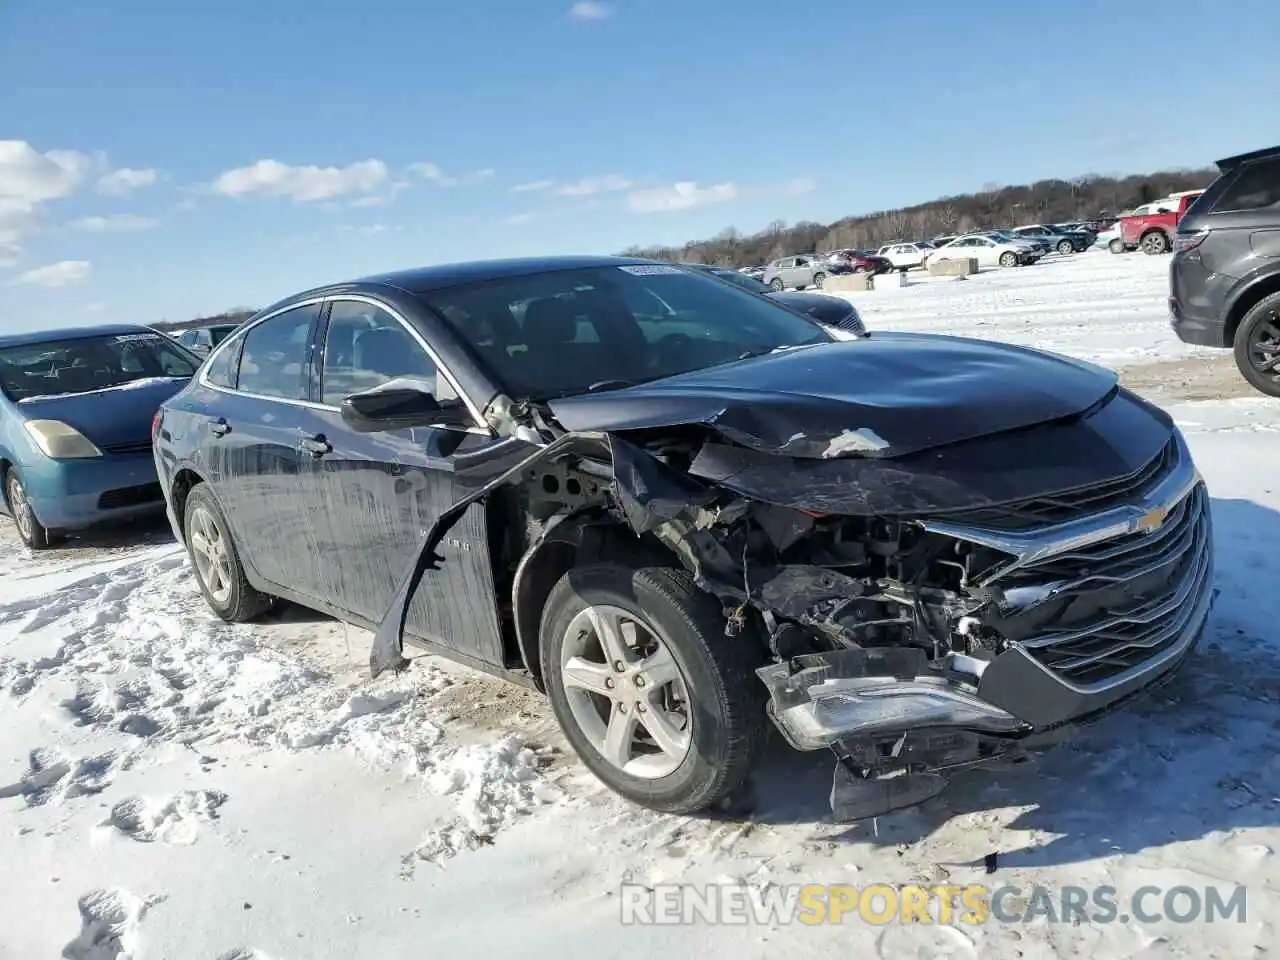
[220, 427]
[317, 445]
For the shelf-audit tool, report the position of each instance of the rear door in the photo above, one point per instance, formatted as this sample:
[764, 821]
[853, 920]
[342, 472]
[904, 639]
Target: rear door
[375, 495]
[253, 440]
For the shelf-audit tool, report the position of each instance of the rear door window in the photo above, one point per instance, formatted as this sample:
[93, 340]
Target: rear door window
[274, 358]
[1256, 187]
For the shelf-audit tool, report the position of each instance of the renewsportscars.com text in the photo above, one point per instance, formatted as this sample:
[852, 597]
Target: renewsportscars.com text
[881, 904]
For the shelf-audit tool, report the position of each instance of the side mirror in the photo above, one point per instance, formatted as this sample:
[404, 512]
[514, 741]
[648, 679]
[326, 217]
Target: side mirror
[399, 405]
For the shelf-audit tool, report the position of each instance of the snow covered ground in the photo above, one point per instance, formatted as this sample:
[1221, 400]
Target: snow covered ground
[175, 787]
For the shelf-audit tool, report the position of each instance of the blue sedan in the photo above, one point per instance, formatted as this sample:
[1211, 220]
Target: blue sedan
[76, 408]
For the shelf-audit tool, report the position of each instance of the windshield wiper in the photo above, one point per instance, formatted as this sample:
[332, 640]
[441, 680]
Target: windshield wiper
[618, 384]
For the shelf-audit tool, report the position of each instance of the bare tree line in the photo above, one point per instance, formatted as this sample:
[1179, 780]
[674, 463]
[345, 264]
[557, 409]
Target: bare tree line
[1046, 201]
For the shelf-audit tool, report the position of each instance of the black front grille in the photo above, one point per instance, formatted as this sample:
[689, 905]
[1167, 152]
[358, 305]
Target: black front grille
[121, 449]
[1143, 590]
[1061, 507]
[130, 496]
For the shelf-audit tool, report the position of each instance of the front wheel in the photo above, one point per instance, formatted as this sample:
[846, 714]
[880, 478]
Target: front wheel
[33, 533]
[1065, 247]
[1008, 259]
[1116, 245]
[1257, 345]
[777, 285]
[219, 572]
[660, 705]
[1155, 242]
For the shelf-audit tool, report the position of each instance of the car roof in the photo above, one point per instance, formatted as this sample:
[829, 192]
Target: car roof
[1230, 163]
[70, 333]
[426, 279]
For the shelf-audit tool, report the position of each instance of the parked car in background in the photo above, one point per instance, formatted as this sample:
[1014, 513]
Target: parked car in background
[797, 272]
[756, 273]
[860, 261]
[830, 311]
[1063, 242]
[201, 340]
[1224, 281]
[906, 256]
[1038, 244]
[988, 251]
[75, 425]
[1153, 232]
[685, 512]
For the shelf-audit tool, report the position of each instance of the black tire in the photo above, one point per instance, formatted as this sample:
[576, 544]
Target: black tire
[243, 602]
[1116, 245]
[1155, 243]
[30, 530]
[1065, 247]
[819, 279]
[1259, 331]
[727, 700]
[1008, 259]
[777, 284]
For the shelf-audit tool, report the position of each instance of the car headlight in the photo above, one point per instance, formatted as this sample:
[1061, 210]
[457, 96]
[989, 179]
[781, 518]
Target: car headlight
[60, 441]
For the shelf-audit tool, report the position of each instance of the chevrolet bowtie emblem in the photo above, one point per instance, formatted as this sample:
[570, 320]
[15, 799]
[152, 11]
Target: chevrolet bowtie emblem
[1152, 520]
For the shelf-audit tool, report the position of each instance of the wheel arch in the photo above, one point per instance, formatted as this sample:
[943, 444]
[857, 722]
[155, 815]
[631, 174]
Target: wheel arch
[570, 540]
[185, 479]
[1246, 300]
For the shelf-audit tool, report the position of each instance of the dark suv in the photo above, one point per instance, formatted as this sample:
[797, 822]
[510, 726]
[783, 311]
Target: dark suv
[1224, 282]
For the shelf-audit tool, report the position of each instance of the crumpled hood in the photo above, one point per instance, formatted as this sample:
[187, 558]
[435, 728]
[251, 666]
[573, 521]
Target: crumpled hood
[888, 395]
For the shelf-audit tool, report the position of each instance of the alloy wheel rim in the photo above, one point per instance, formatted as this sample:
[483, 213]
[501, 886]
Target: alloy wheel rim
[626, 691]
[1264, 348]
[210, 555]
[20, 509]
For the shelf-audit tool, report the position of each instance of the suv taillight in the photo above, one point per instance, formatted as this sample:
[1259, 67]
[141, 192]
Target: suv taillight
[1188, 241]
[155, 425]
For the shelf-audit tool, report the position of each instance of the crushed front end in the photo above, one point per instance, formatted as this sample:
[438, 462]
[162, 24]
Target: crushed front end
[958, 638]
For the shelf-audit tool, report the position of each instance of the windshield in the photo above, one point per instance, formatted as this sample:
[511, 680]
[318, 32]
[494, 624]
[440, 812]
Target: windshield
[571, 331]
[59, 367]
[218, 334]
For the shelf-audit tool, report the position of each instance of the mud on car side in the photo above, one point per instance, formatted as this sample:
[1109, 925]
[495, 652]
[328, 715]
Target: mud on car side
[685, 512]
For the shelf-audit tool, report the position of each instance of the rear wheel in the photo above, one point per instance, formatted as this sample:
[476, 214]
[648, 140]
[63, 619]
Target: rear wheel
[219, 571]
[1116, 245]
[1155, 242]
[660, 705]
[1065, 247]
[1257, 345]
[33, 533]
[1008, 259]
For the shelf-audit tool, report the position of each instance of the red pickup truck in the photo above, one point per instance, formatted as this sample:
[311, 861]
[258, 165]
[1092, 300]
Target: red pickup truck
[1153, 232]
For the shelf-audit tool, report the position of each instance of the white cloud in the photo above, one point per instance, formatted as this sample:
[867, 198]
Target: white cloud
[115, 223]
[680, 196]
[28, 179]
[591, 10]
[64, 273]
[302, 184]
[516, 219]
[125, 180]
[429, 171]
[533, 186]
[594, 185]
[797, 187]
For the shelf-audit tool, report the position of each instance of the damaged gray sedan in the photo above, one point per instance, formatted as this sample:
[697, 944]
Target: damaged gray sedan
[687, 513]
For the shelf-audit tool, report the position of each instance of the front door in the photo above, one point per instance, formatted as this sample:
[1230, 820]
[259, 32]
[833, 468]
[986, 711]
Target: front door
[377, 494]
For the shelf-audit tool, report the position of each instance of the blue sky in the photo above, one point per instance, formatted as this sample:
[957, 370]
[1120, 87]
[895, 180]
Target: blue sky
[160, 160]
